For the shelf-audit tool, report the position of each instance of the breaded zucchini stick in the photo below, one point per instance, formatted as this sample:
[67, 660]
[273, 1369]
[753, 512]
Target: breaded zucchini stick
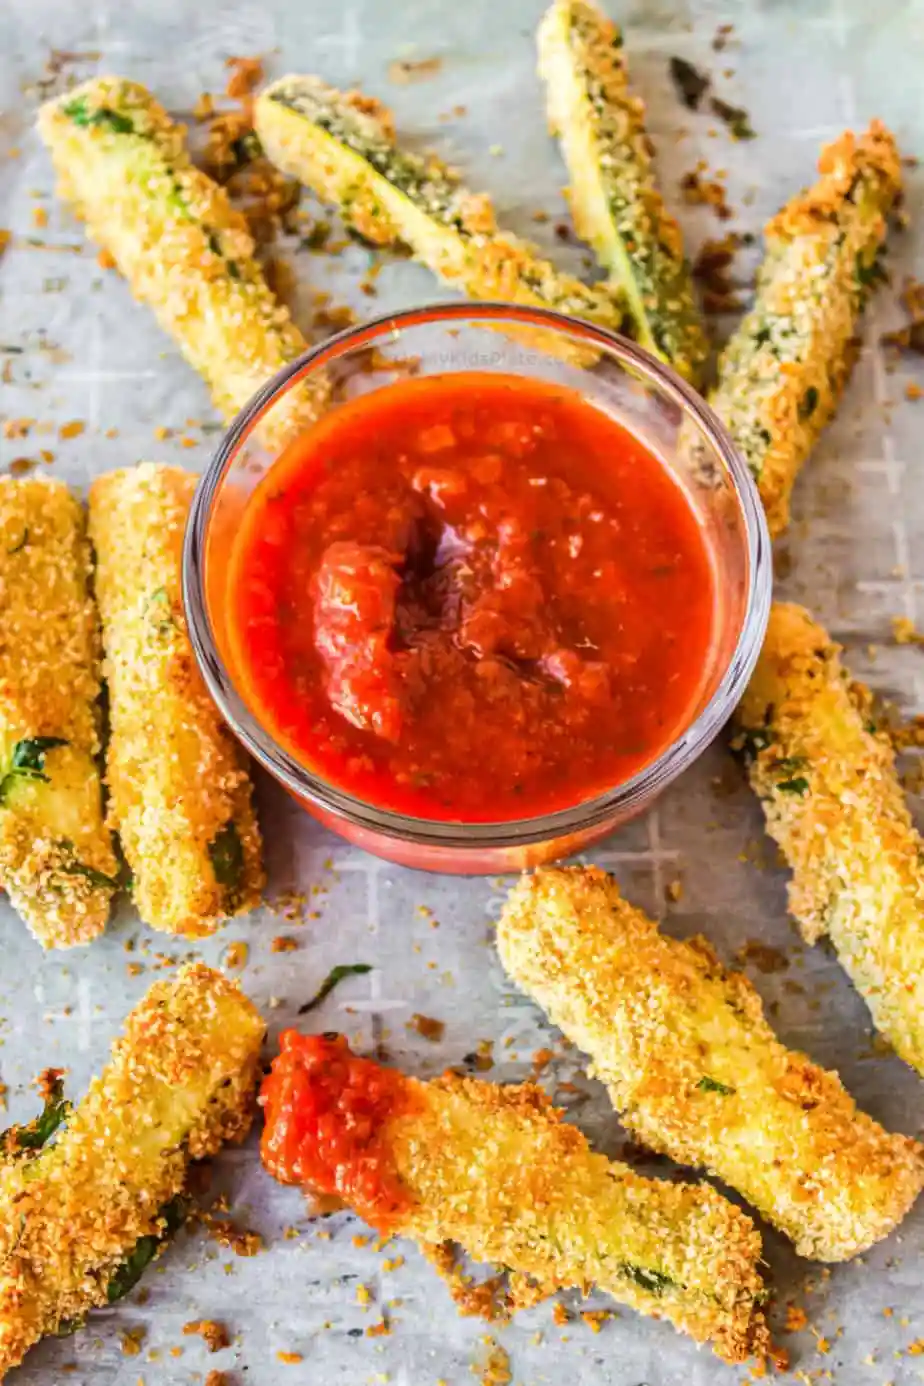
[184, 250]
[782, 374]
[180, 794]
[613, 194]
[342, 146]
[833, 802]
[56, 857]
[495, 1170]
[79, 1217]
[694, 1069]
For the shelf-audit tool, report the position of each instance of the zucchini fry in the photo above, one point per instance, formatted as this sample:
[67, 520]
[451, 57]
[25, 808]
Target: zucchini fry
[342, 146]
[833, 802]
[614, 198]
[79, 1216]
[56, 857]
[180, 795]
[184, 250]
[496, 1170]
[782, 374]
[694, 1069]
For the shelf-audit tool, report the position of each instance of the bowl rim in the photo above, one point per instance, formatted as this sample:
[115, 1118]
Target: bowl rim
[628, 797]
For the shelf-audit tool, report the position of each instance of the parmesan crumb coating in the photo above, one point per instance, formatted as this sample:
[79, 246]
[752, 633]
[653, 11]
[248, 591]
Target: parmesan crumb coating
[342, 146]
[180, 794]
[833, 802]
[782, 374]
[694, 1069]
[495, 1170]
[56, 857]
[179, 1084]
[614, 198]
[186, 253]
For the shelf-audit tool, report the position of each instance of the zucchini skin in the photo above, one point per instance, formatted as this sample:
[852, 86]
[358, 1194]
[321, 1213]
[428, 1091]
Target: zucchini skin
[179, 1084]
[832, 800]
[180, 792]
[495, 1170]
[613, 194]
[342, 146]
[782, 373]
[694, 1069]
[56, 857]
[186, 253]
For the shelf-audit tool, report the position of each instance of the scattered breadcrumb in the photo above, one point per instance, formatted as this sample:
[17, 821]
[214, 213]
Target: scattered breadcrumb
[705, 192]
[796, 1319]
[674, 890]
[909, 337]
[214, 1334]
[282, 944]
[905, 632]
[495, 1370]
[131, 1339]
[218, 1379]
[426, 1026]
[223, 1231]
[236, 955]
[291, 1359]
[711, 269]
[72, 429]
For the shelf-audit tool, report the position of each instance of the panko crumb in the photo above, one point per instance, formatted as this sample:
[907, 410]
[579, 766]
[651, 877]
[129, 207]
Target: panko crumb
[214, 1334]
[224, 1232]
[426, 1026]
[291, 1359]
[283, 944]
[215, 1378]
[905, 632]
[131, 1339]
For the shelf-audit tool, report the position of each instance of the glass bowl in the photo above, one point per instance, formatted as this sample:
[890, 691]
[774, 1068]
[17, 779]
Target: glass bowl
[610, 372]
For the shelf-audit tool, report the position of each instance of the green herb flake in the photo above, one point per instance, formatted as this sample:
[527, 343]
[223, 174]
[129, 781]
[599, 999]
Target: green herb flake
[79, 112]
[799, 785]
[226, 853]
[335, 975]
[90, 873]
[37, 1133]
[691, 84]
[869, 273]
[654, 1281]
[750, 741]
[28, 761]
[808, 403]
[707, 1084]
[789, 764]
[317, 237]
[739, 125]
[126, 1277]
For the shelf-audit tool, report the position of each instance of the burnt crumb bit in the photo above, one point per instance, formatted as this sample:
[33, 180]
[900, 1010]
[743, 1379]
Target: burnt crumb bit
[705, 192]
[764, 958]
[426, 1026]
[218, 1379]
[712, 271]
[214, 1334]
[224, 1232]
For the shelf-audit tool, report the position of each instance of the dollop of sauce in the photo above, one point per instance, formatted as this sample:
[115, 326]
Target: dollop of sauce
[326, 1111]
[465, 573]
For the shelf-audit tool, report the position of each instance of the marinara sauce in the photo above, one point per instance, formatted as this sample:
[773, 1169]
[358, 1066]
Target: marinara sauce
[326, 1115]
[471, 597]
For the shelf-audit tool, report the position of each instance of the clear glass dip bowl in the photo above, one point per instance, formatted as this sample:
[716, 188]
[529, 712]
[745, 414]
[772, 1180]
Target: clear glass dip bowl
[613, 374]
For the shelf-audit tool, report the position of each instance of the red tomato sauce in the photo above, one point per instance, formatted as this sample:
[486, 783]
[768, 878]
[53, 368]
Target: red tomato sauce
[471, 597]
[326, 1111]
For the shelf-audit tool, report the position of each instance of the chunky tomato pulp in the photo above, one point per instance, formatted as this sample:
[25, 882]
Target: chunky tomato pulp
[471, 597]
[326, 1112]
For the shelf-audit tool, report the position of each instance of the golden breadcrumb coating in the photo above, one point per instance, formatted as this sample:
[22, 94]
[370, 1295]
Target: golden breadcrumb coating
[186, 253]
[496, 1171]
[696, 1072]
[614, 196]
[342, 146]
[179, 1084]
[180, 794]
[833, 802]
[56, 857]
[782, 374]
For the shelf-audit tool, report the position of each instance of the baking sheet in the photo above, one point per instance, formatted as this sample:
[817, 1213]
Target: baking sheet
[76, 348]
